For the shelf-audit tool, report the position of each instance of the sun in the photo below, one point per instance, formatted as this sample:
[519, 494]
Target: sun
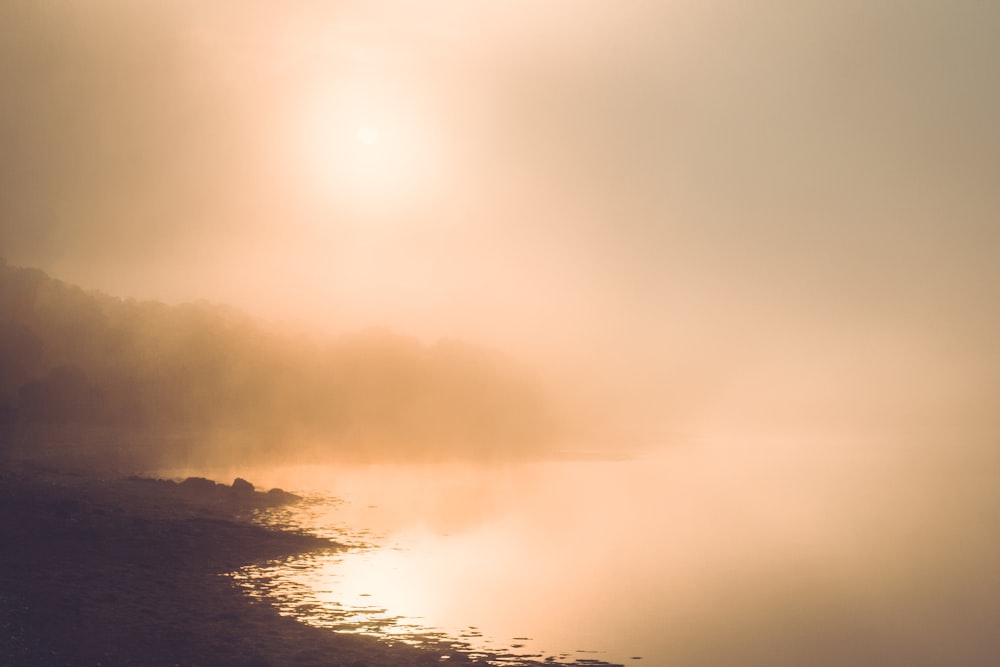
[368, 135]
[366, 150]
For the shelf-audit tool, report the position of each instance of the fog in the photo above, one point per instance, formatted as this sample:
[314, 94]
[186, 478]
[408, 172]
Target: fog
[783, 214]
[721, 554]
[754, 244]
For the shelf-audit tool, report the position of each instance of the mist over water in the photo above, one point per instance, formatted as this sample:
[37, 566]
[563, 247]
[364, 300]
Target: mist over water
[680, 316]
[722, 553]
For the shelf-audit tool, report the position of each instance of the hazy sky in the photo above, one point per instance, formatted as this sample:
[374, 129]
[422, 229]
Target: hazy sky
[785, 208]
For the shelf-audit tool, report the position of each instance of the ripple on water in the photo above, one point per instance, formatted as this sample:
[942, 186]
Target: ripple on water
[300, 587]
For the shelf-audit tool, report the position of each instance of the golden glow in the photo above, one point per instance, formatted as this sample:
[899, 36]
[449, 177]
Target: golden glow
[367, 148]
[690, 219]
[368, 135]
[709, 541]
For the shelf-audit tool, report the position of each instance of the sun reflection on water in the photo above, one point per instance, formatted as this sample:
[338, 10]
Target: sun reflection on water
[352, 590]
[786, 552]
[383, 586]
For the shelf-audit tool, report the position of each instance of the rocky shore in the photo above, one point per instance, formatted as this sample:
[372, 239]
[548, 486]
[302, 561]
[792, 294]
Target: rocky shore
[132, 571]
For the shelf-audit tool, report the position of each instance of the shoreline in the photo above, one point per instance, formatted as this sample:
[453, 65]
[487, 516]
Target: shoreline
[104, 570]
[104, 564]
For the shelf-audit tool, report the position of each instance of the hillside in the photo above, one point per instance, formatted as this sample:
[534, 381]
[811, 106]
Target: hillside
[71, 358]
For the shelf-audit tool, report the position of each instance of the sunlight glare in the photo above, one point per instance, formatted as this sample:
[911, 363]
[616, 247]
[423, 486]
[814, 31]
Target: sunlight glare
[368, 135]
[344, 157]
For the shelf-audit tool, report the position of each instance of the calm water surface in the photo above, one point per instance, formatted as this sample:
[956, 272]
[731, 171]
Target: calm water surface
[701, 555]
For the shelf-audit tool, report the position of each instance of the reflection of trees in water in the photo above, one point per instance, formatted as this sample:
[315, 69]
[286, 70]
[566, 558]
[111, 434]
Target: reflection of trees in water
[70, 356]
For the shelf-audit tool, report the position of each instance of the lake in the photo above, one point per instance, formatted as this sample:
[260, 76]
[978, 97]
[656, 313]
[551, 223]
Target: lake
[835, 553]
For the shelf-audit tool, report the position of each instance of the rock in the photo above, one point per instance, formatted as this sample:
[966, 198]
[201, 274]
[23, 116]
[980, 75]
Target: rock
[280, 496]
[199, 484]
[240, 485]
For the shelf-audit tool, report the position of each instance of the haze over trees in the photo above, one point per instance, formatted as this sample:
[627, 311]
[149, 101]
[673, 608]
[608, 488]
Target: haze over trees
[230, 386]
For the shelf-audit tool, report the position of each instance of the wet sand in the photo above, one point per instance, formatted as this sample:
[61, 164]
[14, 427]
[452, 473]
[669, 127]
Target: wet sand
[104, 570]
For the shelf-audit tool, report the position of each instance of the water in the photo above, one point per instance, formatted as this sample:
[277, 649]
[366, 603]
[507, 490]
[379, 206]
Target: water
[695, 555]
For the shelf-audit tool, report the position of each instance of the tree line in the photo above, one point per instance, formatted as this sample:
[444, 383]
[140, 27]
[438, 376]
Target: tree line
[70, 356]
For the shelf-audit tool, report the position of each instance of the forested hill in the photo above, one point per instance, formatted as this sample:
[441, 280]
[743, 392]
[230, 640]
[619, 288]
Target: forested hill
[69, 356]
